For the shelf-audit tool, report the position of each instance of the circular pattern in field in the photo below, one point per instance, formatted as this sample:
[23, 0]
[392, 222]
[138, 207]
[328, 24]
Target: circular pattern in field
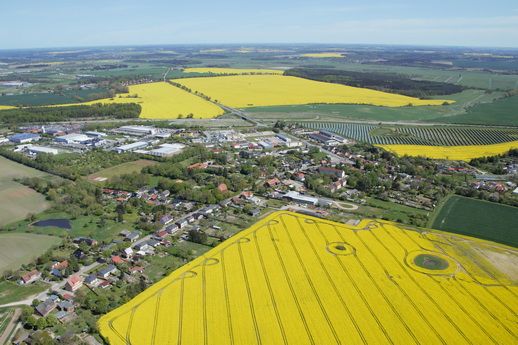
[431, 263]
[340, 248]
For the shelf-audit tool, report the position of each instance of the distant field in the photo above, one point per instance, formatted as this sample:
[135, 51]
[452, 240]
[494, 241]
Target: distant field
[17, 249]
[294, 279]
[478, 218]
[501, 112]
[474, 79]
[340, 112]
[16, 200]
[214, 70]
[4, 107]
[164, 101]
[323, 55]
[418, 135]
[125, 168]
[38, 99]
[457, 153]
[265, 90]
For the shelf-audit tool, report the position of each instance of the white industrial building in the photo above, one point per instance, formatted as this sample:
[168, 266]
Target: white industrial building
[41, 149]
[131, 147]
[137, 130]
[94, 134]
[74, 138]
[301, 199]
[167, 150]
[288, 141]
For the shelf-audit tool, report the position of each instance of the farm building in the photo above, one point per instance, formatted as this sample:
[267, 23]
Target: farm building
[30, 277]
[331, 172]
[24, 138]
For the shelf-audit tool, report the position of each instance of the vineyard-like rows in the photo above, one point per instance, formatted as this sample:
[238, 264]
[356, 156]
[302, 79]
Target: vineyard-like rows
[418, 135]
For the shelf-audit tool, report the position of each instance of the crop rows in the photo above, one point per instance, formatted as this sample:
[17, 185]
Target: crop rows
[418, 135]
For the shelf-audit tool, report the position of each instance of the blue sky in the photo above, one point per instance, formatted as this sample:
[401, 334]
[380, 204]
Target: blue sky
[63, 23]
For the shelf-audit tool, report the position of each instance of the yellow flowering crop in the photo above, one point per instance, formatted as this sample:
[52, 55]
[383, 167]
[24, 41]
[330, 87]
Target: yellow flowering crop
[216, 70]
[295, 279]
[264, 90]
[5, 107]
[457, 153]
[163, 101]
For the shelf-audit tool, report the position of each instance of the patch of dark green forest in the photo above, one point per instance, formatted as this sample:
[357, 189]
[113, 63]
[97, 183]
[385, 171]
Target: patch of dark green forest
[382, 82]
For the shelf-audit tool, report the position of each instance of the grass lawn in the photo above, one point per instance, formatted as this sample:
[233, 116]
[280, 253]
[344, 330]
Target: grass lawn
[16, 200]
[159, 267]
[17, 249]
[12, 292]
[125, 168]
[379, 208]
[477, 218]
[86, 226]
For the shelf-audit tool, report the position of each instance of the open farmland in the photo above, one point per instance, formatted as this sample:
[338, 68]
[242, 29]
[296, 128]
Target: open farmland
[215, 70]
[164, 101]
[125, 168]
[17, 249]
[263, 90]
[16, 200]
[323, 55]
[293, 279]
[480, 218]
[418, 135]
[465, 102]
[456, 153]
[5, 107]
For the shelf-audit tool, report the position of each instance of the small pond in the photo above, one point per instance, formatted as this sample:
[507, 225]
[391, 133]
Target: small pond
[58, 223]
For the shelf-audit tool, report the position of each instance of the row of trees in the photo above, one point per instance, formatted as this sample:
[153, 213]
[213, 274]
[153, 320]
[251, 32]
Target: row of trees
[65, 113]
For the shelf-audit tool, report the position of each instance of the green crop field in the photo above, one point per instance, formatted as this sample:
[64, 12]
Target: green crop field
[478, 218]
[17, 249]
[417, 135]
[125, 168]
[339, 112]
[501, 112]
[37, 99]
[16, 200]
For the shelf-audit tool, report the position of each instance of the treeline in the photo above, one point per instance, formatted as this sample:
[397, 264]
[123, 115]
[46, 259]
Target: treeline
[377, 81]
[66, 113]
[39, 165]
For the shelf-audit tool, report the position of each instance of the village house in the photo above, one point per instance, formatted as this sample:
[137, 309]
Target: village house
[74, 283]
[222, 188]
[117, 260]
[105, 272]
[132, 237]
[66, 306]
[30, 277]
[92, 280]
[46, 307]
[331, 172]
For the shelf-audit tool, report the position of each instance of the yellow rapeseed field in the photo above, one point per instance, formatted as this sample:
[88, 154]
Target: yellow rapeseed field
[164, 101]
[456, 153]
[324, 55]
[264, 90]
[4, 107]
[295, 279]
[216, 70]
